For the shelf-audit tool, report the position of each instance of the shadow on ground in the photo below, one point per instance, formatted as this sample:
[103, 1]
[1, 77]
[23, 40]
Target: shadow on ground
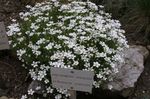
[100, 94]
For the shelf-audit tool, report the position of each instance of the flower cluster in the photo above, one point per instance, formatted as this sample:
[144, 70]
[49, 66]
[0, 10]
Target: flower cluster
[77, 35]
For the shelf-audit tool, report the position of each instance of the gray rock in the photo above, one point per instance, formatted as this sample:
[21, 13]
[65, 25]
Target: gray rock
[141, 49]
[130, 71]
[37, 86]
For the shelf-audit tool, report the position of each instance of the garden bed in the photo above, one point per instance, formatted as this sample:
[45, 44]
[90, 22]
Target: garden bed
[14, 79]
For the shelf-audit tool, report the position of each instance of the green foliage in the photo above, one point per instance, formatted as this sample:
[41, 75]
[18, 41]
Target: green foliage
[137, 21]
[143, 6]
[116, 7]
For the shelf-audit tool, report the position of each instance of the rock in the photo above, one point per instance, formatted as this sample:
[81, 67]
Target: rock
[37, 86]
[4, 97]
[130, 71]
[142, 89]
[141, 49]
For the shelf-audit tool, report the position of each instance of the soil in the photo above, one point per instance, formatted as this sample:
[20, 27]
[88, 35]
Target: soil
[14, 78]
[9, 9]
[12, 75]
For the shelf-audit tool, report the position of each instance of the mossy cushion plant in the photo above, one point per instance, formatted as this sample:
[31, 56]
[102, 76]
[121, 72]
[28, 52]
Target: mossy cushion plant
[75, 35]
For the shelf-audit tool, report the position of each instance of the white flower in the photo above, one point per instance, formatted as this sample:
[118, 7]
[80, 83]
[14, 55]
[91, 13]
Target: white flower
[96, 85]
[21, 52]
[41, 75]
[49, 90]
[75, 63]
[92, 6]
[30, 92]
[38, 87]
[96, 64]
[59, 96]
[34, 64]
[33, 74]
[110, 87]
[24, 97]
[99, 75]
[101, 54]
[13, 20]
[28, 6]
[57, 46]
[46, 81]
[13, 29]
[49, 46]
[41, 41]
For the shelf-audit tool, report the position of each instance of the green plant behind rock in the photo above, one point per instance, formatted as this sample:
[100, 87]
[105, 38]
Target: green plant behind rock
[144, 7]
[137, 21]
[116, 7]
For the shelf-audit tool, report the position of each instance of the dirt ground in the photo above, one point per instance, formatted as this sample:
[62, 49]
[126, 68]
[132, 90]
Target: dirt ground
[12, 76]
[14, 79]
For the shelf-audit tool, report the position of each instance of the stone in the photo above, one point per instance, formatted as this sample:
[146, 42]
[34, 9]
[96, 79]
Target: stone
[130, 71]
[37, 86]
[141, 49]
[4, 97]
[142, 89]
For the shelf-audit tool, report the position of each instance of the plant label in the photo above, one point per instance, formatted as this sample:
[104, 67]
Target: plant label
[71, 79]
[3, 37]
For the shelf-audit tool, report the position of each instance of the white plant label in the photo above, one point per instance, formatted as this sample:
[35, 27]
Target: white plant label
[71, 79]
